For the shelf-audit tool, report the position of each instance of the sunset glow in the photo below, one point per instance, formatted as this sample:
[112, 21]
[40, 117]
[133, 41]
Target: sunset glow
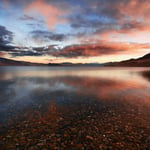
[82, 31]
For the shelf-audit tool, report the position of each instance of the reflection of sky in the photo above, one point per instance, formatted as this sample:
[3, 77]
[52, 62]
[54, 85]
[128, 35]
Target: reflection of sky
[46, 72]
[21, 89]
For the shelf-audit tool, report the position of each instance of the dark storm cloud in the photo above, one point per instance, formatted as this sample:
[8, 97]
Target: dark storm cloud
[6, 36]
[34, 51]
[7, 48]
[26, 53]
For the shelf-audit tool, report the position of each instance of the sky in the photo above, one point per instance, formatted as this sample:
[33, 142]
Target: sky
[77, 31]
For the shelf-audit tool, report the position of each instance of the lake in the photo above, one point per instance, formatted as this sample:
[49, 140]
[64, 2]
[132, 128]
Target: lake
[74, 108]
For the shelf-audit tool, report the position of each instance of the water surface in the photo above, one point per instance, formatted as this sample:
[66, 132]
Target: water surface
[74, 107]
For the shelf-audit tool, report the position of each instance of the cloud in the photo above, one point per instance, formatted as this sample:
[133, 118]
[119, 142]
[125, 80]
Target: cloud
[6, 46]
[106, 18]
[102, 48]
[27, 18]
[42, 36]
[28, 51]
[99, 49]
[6, 36]
[120, 9]
[51, 13]
[80, 21]
[92, 25]
[16, 3]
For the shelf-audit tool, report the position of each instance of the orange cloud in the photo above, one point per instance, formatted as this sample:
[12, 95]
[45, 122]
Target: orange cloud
[132, 21]
[134, 31]
[100, 49]
[137, 9]
[51, 14]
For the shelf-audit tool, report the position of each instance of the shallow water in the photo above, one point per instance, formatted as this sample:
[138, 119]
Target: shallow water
[74, 107]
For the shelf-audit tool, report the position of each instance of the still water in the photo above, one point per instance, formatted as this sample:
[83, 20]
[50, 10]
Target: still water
[74, 107]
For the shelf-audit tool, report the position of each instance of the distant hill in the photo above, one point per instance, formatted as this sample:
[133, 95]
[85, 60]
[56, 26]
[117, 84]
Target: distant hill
[139, 62]
[9, 62]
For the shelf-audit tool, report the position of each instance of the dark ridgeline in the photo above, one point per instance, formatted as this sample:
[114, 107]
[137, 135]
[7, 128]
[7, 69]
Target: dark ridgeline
[140, 62]
[9, 62]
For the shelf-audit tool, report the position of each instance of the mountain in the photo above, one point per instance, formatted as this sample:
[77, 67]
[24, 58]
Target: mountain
[139, 62]
[9, 62]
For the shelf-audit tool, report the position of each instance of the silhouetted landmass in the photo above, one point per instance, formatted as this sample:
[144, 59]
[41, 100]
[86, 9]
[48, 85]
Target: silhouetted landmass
[140, 62]
[9, 62]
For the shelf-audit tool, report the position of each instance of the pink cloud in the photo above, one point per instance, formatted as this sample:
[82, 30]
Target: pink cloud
[100, 49]
[51, 14]
[132, 20]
